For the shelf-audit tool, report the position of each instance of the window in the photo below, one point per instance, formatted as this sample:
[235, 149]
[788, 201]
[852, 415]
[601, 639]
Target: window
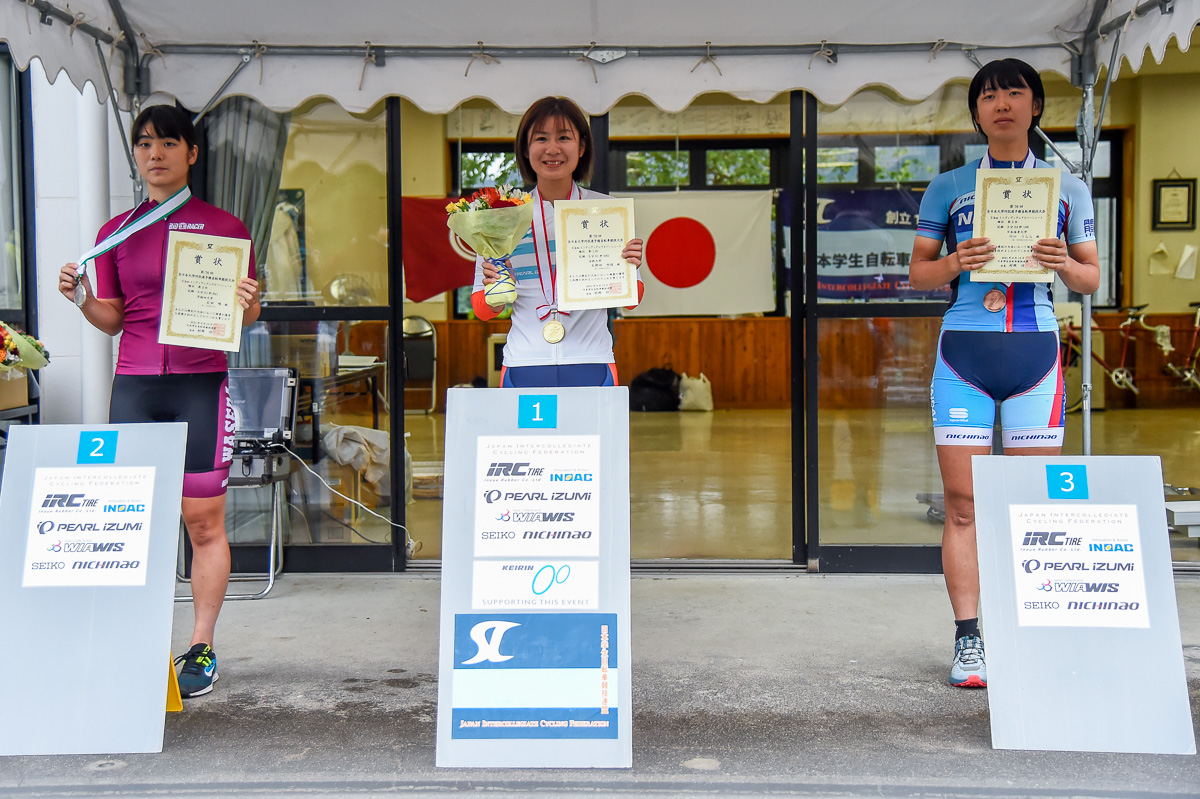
[11, 261]
[697, 164]
[907, 164]
[479, 169]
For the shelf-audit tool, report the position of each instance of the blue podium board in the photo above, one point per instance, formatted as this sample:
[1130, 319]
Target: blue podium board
[1078, 606]
[535, 642]
[87, 579]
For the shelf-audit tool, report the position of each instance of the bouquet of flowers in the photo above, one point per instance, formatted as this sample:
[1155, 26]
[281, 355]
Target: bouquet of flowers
[21, 350]
[492, 221]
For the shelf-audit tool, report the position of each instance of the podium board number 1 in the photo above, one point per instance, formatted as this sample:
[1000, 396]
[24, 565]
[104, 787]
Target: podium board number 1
[537, 410]
[1066, 482]
[97, 446]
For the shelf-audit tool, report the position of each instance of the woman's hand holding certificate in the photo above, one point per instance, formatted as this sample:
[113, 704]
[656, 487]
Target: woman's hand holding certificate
[1016, 211]
[203, 292]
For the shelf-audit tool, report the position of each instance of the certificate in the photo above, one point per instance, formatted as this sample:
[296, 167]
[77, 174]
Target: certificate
[200, 306]
[1014, 208]
[589, 237]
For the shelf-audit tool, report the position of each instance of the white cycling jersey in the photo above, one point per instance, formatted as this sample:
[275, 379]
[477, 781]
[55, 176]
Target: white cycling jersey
[587, 339]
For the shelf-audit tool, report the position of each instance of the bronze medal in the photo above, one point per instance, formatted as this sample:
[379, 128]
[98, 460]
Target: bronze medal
[553, 331]
[994, 300]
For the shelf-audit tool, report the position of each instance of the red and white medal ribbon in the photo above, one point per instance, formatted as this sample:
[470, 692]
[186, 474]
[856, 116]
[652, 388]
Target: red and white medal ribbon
[542, 253]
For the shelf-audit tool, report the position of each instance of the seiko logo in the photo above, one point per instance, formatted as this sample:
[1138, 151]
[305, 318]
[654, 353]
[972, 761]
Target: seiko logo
[489, 645]
[1041, 606]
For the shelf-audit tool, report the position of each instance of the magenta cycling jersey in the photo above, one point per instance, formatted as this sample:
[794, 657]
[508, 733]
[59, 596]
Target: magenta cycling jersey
[133, 271]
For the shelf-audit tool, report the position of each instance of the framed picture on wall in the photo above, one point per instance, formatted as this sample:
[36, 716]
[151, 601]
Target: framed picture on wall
[1174, 204]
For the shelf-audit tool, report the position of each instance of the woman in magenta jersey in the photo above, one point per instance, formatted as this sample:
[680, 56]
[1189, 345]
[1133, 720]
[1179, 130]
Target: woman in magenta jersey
[163, 383]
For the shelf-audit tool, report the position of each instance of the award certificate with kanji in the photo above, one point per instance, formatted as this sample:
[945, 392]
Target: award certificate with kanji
[200, 306]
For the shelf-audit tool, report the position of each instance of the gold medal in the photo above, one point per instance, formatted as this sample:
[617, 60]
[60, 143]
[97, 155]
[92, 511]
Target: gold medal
[994, 300]
[553, 331]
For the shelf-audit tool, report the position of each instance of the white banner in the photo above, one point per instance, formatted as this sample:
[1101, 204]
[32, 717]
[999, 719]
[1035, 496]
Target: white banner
[1078, 566]
[707, 253]
[89, 526]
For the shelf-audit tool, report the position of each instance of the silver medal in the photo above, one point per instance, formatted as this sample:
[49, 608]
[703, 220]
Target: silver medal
[80, 294]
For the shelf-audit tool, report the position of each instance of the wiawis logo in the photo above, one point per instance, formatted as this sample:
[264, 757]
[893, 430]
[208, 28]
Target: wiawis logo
[68, 501]
[528, 516]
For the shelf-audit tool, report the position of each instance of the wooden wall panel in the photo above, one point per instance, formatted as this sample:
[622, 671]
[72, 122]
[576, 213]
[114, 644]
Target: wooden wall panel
[864, 363]
[1156, 388]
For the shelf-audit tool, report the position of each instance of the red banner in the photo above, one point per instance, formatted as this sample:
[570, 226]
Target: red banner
[435, 260]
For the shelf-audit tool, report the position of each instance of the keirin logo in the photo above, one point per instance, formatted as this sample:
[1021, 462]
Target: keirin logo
[548, 576]
[489, 645]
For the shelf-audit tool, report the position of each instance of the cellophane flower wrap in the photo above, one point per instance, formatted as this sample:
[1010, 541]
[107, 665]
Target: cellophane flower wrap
[21, 350]
[493, 220]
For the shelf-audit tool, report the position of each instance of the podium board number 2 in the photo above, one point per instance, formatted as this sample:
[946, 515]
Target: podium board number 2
[97, 446]
[1066, 482]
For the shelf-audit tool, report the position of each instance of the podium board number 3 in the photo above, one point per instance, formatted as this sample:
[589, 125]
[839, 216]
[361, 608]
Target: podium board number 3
[1066, 482]
[537, 410]
[97, 446]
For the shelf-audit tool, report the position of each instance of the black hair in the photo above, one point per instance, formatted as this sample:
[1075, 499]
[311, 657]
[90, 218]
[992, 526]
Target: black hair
[1006, 73]
[168, 122]
[554, 108]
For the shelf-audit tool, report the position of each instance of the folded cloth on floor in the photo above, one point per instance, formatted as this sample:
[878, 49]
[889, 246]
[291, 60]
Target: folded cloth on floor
[364, 449]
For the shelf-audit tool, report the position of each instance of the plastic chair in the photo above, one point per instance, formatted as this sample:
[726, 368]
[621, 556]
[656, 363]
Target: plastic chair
[420, 360]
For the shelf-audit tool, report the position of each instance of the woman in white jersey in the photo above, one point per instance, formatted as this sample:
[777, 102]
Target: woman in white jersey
[999, 341]
[547, 347]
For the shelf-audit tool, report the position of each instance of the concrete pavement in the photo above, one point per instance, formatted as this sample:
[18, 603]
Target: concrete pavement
[748, 685]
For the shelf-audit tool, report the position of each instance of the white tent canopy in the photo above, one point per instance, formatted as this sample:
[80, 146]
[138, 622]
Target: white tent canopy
[595, 52]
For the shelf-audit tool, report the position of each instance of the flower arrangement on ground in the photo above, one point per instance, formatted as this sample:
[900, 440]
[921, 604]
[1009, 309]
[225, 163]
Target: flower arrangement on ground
[21, 350]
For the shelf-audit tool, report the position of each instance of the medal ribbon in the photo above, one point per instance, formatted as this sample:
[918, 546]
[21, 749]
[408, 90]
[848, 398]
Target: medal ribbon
[551, 299]
[160, 212]
[990, 163]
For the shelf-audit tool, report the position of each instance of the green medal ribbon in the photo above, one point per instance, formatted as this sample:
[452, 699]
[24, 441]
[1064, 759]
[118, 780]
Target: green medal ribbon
[164, 209]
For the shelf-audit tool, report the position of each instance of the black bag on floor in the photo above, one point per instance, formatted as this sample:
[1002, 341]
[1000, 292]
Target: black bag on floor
[654, 390]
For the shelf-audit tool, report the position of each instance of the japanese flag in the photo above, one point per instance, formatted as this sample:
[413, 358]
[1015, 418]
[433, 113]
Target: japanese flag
[707, 252]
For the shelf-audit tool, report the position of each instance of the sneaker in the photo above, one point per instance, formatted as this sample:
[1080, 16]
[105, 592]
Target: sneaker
[968, 670]
[199, 671]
